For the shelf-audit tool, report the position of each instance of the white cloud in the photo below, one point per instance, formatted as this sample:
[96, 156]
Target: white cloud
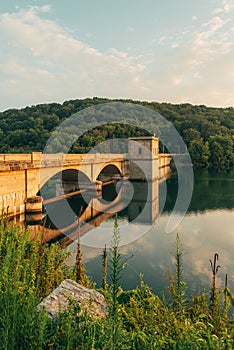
[174, 45]
[43, 62]
[43, 9]
[200, 69]
[118, 53]
[39, 53]
[218, 10]
[210, 28]
[226, 7]
[162, 38]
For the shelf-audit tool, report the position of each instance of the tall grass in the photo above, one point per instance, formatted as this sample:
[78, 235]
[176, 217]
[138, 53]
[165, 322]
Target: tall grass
[29, 270]
[178, 285]
[137, 319]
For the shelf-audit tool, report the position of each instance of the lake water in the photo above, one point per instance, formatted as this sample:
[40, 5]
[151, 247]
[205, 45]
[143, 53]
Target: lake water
[207, 228]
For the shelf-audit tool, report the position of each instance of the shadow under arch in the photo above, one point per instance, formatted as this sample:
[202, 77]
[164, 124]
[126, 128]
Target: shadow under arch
[64, 182]
[109, 172]
[109, 175]
[67, 230]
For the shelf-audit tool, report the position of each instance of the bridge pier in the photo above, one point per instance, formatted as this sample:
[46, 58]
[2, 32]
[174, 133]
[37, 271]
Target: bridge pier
[98, 185]
[33, 205]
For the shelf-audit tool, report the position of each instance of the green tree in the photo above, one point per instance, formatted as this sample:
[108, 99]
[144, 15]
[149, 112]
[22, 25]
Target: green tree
[199, 153]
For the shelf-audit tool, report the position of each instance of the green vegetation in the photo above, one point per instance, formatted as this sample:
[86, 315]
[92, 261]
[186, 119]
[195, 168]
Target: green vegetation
[29, 270]
[137, 319]
[207, 132]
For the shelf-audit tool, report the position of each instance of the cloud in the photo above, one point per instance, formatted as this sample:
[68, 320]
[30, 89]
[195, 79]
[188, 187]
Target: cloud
[43, 9]
[200, 236]
[44, 62]
[226, 7]
[40, 53]
[174, 45]
[199, 70]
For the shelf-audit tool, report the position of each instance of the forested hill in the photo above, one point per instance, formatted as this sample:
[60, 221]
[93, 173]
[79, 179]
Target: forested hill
[208, 132]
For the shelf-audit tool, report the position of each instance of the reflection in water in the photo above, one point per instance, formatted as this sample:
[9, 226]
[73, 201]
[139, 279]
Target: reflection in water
[137, 202]
[212, 190]
[206, 229]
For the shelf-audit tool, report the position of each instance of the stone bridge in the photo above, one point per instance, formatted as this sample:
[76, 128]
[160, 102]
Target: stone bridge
[23, 175]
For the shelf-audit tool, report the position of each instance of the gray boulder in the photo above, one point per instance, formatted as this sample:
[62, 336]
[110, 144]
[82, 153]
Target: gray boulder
[89, 299]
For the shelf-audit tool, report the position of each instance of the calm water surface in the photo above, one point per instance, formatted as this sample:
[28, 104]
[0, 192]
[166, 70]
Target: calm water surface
[207, 228]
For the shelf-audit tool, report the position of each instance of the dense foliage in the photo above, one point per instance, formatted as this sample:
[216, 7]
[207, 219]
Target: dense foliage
[137, 319]
[207, 132]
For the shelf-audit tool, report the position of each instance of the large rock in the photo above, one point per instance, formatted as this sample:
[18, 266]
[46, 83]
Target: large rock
[89, 299]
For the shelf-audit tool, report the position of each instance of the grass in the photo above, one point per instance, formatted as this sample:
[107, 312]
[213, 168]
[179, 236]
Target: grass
[137, 319]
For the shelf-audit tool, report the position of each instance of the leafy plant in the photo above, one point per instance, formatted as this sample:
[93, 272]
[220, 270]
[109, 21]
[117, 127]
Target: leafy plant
[178, 286]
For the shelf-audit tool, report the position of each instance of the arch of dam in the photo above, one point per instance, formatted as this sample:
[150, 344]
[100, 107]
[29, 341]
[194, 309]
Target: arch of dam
[23, 175]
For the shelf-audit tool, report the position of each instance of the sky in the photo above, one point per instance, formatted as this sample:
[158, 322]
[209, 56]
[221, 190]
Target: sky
[179, 51]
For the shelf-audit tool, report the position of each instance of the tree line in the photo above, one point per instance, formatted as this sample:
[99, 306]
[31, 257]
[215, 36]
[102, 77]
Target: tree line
[207, 132]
